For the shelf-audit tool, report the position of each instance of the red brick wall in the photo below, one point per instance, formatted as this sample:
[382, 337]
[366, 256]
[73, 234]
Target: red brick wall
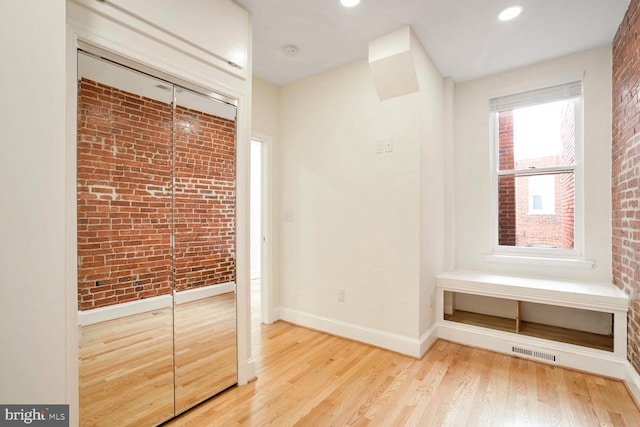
[625, 189]
[124, 198]
[506, 185]
[536, 229]
[567, 181]
[204, 215]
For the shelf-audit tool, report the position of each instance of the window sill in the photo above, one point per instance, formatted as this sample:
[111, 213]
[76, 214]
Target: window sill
[578, 263]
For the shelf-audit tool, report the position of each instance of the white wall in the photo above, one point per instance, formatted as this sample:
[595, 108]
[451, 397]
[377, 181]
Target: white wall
[354, 213]
[33, 303]
[265, 107]
[353, 219]
[472, 171]
[434, 116]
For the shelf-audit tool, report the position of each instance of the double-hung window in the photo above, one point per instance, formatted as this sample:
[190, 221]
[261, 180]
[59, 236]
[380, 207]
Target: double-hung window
[537, 143]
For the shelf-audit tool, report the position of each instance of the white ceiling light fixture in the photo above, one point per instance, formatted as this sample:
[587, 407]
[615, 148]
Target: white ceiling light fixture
[349, 3]
[512, 12]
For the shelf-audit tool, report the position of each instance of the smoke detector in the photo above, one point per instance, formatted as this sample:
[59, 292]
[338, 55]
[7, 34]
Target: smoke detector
[291, 50]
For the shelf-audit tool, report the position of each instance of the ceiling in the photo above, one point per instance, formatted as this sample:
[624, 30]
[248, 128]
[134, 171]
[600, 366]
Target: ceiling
[463, 37]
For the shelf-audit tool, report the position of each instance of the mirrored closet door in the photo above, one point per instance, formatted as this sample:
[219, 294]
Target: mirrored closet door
[204, 252]
[156, 245]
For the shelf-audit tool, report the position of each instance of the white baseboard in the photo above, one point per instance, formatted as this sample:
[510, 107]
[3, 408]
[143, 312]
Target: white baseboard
[428, 339]
[632, 381]
[246, 371]
[116, 311]
[598, 362]
[272, 316]
[102, 314]
[205, 292]
[276, 314]
[394, 342]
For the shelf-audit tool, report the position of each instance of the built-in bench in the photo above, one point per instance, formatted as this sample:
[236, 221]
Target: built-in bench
[502, 289]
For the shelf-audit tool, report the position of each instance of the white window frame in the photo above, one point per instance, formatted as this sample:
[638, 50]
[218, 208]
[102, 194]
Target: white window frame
[534, 255]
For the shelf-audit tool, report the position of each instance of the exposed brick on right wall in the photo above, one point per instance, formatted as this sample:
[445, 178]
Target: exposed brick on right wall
[625, 189]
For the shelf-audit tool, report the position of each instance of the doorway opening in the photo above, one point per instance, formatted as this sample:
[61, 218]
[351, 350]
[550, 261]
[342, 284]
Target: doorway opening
[260, 236]
[256, 236]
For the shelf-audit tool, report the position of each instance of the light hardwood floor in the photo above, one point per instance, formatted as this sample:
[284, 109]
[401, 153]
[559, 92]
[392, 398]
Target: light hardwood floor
[121, 363]
[126, 365]
[307, 378]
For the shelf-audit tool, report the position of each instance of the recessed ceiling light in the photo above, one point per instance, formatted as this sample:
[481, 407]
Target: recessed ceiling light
[510, 13]
[349, 3]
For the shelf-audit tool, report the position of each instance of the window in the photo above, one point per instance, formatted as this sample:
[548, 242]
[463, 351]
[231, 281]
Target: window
[542, 194]
[535, 148]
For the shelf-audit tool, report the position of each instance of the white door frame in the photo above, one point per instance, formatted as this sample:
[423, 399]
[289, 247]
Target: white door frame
[266, 225]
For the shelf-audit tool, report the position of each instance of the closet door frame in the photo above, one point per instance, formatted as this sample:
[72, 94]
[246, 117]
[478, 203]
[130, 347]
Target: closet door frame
[94, 26]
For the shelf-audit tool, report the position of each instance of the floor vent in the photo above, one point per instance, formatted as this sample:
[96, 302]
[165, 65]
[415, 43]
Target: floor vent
[533, 353]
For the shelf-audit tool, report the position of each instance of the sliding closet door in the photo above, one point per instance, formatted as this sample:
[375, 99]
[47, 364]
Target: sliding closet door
[204, 251]
[124, 206]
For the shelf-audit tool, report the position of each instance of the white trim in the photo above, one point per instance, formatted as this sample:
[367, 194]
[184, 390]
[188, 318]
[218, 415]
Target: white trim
[102, 314]
[586, 295]
[190, 295]
[276, 314]
[246, 371]
[540, 260]
[569, 356]
[428, 339]
[71, 220]
[158, 35]
[550, 170]
[267, 227]
[632, 381]
[376, 337]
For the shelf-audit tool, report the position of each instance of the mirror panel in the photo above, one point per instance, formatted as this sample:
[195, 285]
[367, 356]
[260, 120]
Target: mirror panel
[204, 248]
[156, 246]
[124, 175]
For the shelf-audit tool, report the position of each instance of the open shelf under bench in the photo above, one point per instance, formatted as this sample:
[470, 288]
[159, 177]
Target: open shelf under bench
[566, 297]
[532, 329]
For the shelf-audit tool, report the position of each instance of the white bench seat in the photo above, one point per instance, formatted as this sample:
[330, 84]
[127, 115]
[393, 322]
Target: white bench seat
[587, 295]
[600, 297]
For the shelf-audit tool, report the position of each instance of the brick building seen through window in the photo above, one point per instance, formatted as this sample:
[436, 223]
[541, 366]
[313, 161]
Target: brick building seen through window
[536, 176]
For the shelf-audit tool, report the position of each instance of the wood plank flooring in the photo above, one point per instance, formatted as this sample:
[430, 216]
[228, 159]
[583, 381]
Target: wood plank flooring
[204, 348]
[126, 365]
[121, 363]
[307, 378]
